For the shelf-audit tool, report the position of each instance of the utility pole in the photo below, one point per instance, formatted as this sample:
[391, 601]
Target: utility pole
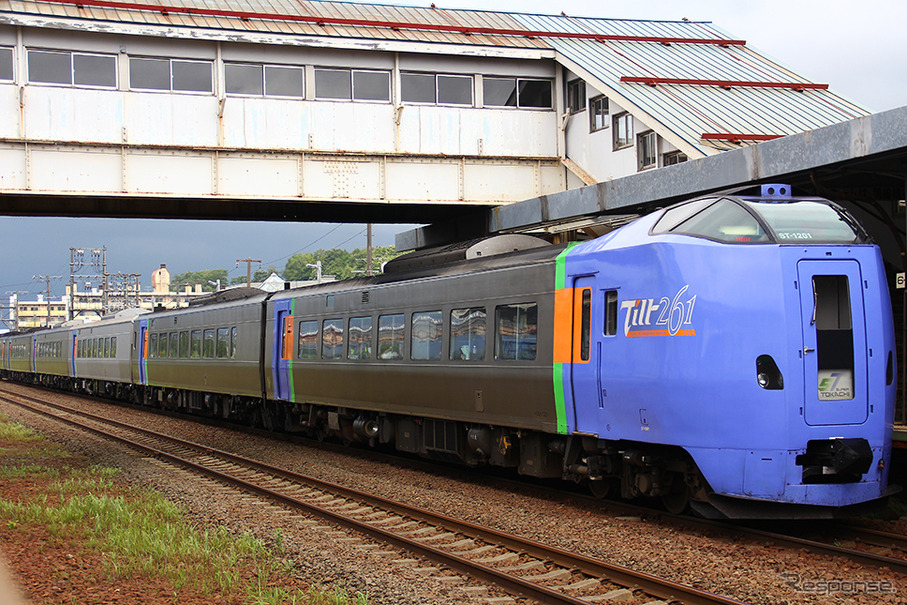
[248, 262]
[47, 279]
[98, 261]
[317, 267]
[368, 250]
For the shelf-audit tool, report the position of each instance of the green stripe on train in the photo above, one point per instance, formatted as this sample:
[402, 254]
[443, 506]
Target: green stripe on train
[560, 404]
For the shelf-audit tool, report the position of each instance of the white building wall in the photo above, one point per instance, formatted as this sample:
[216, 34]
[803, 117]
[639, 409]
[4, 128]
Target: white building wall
[118, 140]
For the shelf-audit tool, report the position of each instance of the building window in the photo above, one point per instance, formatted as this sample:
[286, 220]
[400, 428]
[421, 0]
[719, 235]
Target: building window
[6, 64]
[436, 89]
[346, 84]
[535, 94]
[674, 157]
[598, 113]
[576, 95]
[267, 80]
[623, 131]
[371, 86]
[513, 92]
[170, 74]
[73, 69]
[648, 150]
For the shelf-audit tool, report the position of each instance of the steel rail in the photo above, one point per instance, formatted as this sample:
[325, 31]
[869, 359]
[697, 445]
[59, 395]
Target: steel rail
[652, 585]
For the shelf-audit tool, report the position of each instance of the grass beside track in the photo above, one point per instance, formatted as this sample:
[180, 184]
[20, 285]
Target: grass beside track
[137, 534]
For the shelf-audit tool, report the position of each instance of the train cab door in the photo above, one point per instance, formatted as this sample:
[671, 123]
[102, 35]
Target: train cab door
[282, 361]
[834, 351]
[73, 351]
[143, 352]
[585, 351]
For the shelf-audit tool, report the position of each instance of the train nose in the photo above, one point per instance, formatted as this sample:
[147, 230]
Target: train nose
[835, 460]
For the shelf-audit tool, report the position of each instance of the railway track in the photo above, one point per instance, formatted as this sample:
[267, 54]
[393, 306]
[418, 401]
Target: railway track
[540, 572]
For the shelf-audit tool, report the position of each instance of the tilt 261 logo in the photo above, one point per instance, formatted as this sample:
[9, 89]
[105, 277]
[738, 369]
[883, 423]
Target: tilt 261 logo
[667, 317]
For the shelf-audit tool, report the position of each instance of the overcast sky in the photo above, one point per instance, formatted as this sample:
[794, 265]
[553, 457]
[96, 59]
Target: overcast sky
[859, 48]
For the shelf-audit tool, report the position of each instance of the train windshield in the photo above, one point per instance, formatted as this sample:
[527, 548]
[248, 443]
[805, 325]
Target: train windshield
[808, 221]
[758, 221]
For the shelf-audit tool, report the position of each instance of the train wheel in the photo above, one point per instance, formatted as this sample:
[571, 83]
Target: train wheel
[599, 488]
[677, 502]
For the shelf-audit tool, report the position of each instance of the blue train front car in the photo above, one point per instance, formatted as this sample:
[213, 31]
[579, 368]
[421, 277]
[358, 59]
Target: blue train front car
[741, 351]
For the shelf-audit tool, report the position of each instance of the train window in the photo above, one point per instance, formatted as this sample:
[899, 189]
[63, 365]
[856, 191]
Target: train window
[585, 325]
[174, 351]
[677, 214]
[467, 334]
[163, 345]
[390, 336]
[516, 331]
[724, 221]
[195, 344]
[834, 337]
[308, 339]
[113, 346]
[222, 347]
[610, 312]
[426, 335]
[808, 221]
[152, 347]
[208, 349]
[360, 338]
[332, 339]
[184, 344]
[234, 342]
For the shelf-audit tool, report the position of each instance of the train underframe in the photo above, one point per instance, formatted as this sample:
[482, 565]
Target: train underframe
[624, 469]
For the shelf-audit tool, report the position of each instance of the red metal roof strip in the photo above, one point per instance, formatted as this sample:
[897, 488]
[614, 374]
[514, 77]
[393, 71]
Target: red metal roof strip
[465, 29]
[734, 137]
[652, 81]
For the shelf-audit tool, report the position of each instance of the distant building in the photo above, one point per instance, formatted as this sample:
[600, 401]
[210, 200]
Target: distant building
[34, 313]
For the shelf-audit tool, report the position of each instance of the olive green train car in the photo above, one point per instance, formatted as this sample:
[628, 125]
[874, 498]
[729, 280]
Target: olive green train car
[202, 358]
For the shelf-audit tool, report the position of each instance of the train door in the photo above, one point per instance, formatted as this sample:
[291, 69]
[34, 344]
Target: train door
[143, 352]
[834, 352]
[74, 355]
[283, 350]
[584, 370]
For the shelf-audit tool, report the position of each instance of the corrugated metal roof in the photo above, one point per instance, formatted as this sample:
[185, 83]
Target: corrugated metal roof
[691, 110]
[605, 50]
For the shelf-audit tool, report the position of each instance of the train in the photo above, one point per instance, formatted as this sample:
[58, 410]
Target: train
[732, 354]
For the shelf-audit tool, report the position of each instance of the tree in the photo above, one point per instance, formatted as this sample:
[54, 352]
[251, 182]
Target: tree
[339, 263]
[191, 278]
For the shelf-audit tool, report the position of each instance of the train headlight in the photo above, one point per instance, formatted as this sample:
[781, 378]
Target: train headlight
[767, 373]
